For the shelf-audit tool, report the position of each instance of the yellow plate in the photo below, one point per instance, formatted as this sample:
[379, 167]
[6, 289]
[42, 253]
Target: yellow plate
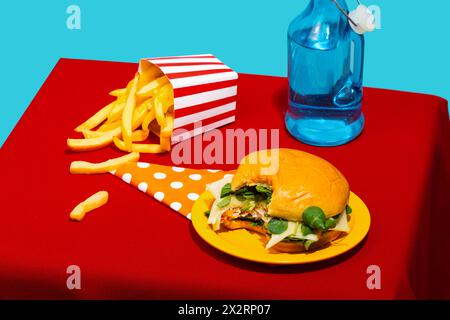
[246, 245]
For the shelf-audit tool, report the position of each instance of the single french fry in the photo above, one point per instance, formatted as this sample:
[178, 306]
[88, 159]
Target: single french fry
[159, 112]
[129, 85]
[116, 112]
[165, 95]
[120, 144]
[96, 119]
[82, 167]
[167, 130]
[148, 119]
[109, 126]
[142, 148]
[78, 212]
[148, 89]
[93, 144]
[127, 115]
[91, 134]
[140, 135]
[148, 148]
[165, 143]
[165, 91]
[93, 202]
[139, 116]
[118, 92]
[149, 103]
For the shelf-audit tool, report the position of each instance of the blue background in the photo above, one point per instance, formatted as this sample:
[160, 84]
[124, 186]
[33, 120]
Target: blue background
[409, 53]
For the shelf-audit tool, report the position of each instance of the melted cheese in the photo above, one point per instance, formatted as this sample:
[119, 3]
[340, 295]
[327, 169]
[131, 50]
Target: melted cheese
[277, 238]
[300, 235]
[342, 223]
[216, 187]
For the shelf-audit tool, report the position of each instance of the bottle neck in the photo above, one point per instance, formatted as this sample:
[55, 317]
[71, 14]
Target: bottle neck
[328, 5]
[321, 25]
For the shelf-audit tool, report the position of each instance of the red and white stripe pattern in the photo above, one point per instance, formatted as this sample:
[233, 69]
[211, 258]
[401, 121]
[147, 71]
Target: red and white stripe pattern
[205, 90]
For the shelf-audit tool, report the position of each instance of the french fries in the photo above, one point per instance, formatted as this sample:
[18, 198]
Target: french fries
[82, 167]
[143, 107]
[93, 202]
[116, 111]
[109, 126]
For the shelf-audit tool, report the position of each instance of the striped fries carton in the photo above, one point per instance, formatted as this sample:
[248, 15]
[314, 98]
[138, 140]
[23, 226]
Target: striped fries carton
[205, 92]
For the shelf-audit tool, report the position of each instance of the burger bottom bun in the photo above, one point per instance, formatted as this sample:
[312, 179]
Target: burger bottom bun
[283, 246]
[297, 247]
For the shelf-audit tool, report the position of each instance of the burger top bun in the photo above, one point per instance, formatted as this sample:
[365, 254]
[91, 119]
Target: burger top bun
[298, 180]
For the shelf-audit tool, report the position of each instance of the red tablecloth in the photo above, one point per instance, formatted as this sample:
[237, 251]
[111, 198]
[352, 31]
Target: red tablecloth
[136, 248]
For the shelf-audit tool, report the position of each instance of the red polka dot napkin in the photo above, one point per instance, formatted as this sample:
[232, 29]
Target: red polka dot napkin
[176, 187]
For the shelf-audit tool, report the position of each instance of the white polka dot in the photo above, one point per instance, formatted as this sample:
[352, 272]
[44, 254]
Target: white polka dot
[188, 216]
[127, 177]
[175, 206]
[213, 170]
[159, 175]
[143, 186]
[113, 172]
[193, 196]
[159, 195]
[143, 165]
[178, 169]
[176, 185]
[228, 175]
[195, 176]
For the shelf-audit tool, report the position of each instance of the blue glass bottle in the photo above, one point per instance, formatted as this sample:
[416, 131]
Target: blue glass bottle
[325, 76]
